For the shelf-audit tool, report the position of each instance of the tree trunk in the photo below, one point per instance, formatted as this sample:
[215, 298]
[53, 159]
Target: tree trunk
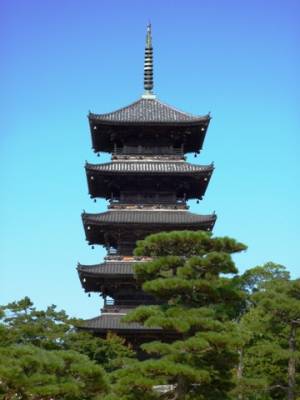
[292, 362]
[180, 389]
[240, 369]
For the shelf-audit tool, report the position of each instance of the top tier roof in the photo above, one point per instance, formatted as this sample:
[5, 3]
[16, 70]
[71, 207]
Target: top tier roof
[134, 123]
[149, 111]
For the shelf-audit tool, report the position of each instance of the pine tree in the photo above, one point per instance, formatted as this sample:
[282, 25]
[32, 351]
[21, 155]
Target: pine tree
[270, 328]
[50, 329]
[43, 356]
[188, 275]
[31, 373]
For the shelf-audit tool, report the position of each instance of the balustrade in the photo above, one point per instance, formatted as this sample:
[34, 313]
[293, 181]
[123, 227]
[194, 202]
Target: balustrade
[148, 150]
[111, 303]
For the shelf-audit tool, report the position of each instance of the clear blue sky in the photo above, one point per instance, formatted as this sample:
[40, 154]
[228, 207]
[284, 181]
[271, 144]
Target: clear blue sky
[60, 59]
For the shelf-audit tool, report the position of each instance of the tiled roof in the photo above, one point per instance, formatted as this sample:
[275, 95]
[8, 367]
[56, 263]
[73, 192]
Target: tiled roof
[160, 217]
[107, 268]
[148, 110]
[149, 167]
[113, 322]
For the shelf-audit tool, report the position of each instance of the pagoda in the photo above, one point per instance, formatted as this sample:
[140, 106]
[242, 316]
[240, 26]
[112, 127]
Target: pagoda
[147, 184]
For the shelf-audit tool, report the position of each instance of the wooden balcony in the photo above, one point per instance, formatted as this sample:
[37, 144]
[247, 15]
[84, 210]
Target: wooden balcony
[148, 151]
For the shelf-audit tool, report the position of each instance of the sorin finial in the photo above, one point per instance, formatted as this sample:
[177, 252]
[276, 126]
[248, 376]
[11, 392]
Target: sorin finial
[148, 65]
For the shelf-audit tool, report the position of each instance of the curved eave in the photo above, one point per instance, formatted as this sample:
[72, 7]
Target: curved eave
[109, 322]
[104, 169]
[102, 132]
[100, 182]
[147, 111]
[140, 217]
[97, 226]
[84, 271]
[97, 119]
[93, 276]
[134, 332]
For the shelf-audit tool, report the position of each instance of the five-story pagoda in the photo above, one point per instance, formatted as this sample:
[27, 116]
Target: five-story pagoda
[147, 183]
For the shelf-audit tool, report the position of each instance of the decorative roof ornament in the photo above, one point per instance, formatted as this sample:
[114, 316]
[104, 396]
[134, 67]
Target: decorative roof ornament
[148, 66]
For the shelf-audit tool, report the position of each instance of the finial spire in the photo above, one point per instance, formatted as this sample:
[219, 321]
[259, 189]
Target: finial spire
[149, 37]
[148, 65]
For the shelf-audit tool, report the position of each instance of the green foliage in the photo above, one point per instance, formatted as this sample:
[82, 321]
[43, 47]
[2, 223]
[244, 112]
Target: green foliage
[224, 336]
[43, 356]
[186, 243]
[188, 276]
[266, 328]
[255, 278]
[28, 372]
[21, 323]
[111, 353]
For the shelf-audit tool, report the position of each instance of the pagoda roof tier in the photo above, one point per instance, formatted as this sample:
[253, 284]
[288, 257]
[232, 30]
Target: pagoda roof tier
[140, 118]
[148, 111]
[99, 228]
[92, 277]
[112, 322]
[113, 268]
[191, 179]
[165, 217]
[149, 167]
[134, 333]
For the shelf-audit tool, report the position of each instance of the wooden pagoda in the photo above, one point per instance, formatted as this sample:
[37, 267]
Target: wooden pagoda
[147, 183]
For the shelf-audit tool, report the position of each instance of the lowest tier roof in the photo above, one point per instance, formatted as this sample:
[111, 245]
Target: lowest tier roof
[113, 322]
[159, 217]
[151, 167]
[148, 111]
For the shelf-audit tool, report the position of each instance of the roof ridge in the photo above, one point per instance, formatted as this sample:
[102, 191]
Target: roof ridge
[179, 111]
[119, 109]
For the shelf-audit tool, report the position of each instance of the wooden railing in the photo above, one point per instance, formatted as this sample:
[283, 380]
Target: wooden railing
[110, 303]
[145, 201]
[142, 150]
